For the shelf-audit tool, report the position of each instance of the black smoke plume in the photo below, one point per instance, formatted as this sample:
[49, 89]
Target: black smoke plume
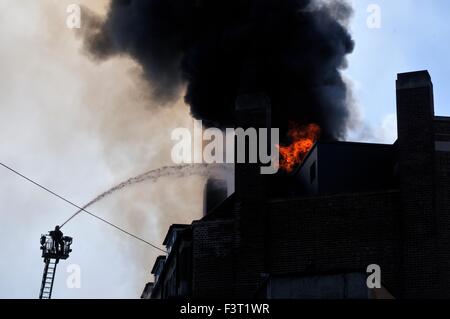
[293, 50]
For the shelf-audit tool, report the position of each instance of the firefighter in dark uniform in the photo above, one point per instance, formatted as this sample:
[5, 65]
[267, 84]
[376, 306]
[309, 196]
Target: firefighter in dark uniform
[57, 237]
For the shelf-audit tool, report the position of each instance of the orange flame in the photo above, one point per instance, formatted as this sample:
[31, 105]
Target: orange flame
[303, 139]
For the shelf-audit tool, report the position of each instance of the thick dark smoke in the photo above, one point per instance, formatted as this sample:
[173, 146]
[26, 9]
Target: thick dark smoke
[293, 50]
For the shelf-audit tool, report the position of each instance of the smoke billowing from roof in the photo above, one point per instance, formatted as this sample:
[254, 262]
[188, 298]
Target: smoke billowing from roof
[293, 50]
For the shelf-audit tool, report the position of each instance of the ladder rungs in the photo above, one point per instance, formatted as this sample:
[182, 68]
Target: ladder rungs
[48, 279]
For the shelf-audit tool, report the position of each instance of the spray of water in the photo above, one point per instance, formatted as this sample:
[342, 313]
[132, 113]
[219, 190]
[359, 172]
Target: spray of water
[153, 176]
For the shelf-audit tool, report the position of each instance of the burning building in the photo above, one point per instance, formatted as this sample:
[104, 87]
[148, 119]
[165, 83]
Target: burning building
[345, 207]
[312, 229]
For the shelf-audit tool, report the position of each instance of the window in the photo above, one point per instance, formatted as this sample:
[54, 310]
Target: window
[313, 172]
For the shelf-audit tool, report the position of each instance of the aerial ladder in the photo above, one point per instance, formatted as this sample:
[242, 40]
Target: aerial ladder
[55, 247]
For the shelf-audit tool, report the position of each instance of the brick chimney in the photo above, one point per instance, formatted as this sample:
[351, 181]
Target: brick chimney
[252, 111]
[415, 116]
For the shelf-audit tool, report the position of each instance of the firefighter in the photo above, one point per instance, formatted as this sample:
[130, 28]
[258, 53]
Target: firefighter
[57, 237]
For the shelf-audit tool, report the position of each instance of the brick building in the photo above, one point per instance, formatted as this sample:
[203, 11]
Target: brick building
[312, 234]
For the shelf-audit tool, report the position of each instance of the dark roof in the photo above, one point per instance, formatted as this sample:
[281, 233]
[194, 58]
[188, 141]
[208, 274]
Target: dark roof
[149, 285]
[338, 143]
[442, 118]
[157, 261]
[172, 228]
[222, 211]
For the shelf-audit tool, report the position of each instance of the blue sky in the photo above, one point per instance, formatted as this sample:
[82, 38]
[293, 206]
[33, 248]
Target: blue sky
[414, 35]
